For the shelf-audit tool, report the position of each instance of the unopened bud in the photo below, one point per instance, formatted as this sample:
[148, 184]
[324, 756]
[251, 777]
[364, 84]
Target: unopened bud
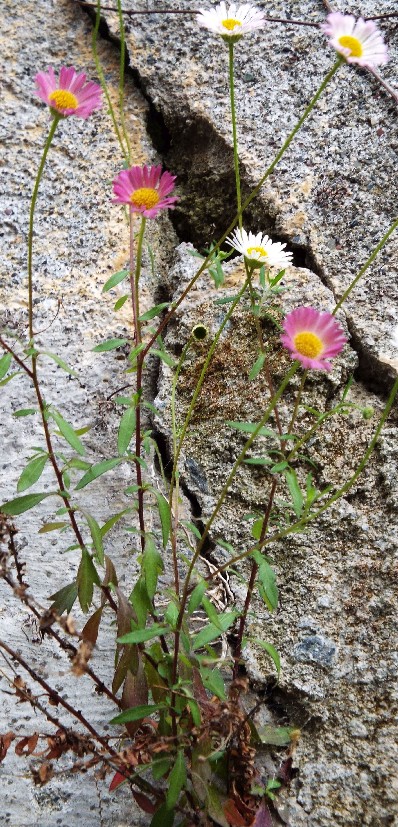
[199, 332]
[367, 412]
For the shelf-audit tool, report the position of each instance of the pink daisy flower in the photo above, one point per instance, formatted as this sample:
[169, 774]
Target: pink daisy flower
[313, 337]
[145, 190]
[71, 95]
[359, 41]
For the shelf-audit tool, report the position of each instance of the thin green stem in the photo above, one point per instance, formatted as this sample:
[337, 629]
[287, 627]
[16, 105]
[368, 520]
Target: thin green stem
[121, 79]
[248, 200]
[234, 131]
[47, 145]
[135, 273]
[366, 266]
[174, 483]
[297, 402]
[101, 76]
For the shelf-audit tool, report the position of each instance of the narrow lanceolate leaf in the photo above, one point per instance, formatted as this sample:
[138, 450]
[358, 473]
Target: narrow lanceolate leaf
[211, 632]
[196, 596]
[31, 473]
[64, 599]
[126, 430]
[91, 629]
[51, 527]
[60, 362]
[165, 516]
[163, 356]
[114, 280]
[163, 817]
[110, 344]
[271, 651]
[142, 635]
[154, 311]
[258, 366]
[137, 713]
[120, 302]
[96, 536]
[21, 504]
[5, 363]
[176, 781]
[97, 470]
[8, 378]
[295, 491]
[267, 586]
[25, 412]
[67, 432]
[152, 566]
[87, 576]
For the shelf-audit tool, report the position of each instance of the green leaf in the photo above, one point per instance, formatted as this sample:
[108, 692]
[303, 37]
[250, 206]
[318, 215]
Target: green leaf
[87, 576]
[114, 280]
[258, 366]
[142, 635]
[165, 516]
[211, 612]
[267, 585]
[278, 736]
[120, 302]
[152, 566]
[213, 680]
[32, 472]
[67, 432]
[96, 536]
[163, 356]
[60, 362]
[21, 504]
[25, 412]
[176, 781]
[136, 713]
[272, 652]
[258, 461]
[64, 599]
[250, 427]
[140, 602]
[51, 527]
[295, 491]
[8, 378]
[97, 470]
[154, 311]
[110, 344]
[5, 363]
[163, 817]
[196, 596]
[211, 632]
[126, 430]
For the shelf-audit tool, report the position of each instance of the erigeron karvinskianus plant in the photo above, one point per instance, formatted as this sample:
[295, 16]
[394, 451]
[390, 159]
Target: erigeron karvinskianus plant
[189, 749]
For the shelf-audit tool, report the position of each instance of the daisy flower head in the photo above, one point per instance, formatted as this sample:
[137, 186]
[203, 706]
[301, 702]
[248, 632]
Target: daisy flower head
[259, 249]
[70, 95]
[231, 22]
[313, 337]
[359, 41]
[145, 190]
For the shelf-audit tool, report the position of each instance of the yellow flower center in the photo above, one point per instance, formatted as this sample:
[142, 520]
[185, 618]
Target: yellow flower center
[351, 43]
[145, 197]
[62, 99]
[230, 23]
[308, 344]
[256, 250]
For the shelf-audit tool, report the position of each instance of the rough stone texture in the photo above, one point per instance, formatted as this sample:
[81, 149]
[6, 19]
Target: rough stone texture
[80, 240]
[331, 198]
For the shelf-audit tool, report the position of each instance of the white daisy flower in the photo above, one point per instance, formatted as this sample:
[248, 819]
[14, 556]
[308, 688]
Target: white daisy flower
[232, 22]
[259, 249]
[359, 41]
